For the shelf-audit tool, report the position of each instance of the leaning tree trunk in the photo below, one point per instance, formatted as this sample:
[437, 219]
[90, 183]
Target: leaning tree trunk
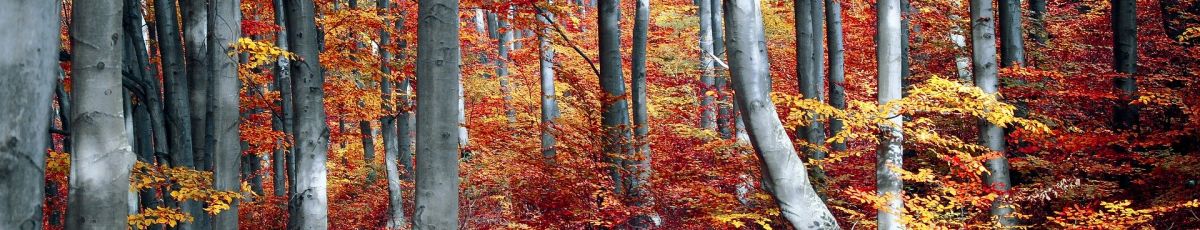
[750, 70]
[837, 67]
[195, 38]
[614, 106]
[1012, 53]
[707, 105]
[99, 188]
[1124, 27]
[438, 74]
[309, 203]
[224, 25]
[549, 99]
[890, 153]
[388, 128]
[30, 63]
[640, 163]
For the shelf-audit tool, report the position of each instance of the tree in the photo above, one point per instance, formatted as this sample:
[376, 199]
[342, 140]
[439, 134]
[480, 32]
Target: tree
[195, 38]
[284, 162]
[1012, 53]
[749, 69]
[890, 154]
[707, 105]
[640, 165]
[1125, 56]
[29, 59]
[837, 66]
[614, 107]
[309, 206]
[102, 158]
[439, 87]
[387, 125]
[550, 111]
[505, 44]
[224, 26]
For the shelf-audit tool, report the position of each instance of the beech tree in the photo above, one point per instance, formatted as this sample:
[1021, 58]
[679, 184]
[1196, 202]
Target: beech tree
[782, 168]
[837, 66]
[439, 87]
[224, 26]
[100, 174]
[29, 59]
[707, 106]
[614, 107]
[550, 111]
[1125, 56]
[308, 205]
[890, 153]
[1012, 54]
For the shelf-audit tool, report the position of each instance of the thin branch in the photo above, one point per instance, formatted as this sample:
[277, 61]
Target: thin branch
[558, 29]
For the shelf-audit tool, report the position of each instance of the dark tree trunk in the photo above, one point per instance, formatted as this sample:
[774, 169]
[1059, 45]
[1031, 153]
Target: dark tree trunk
[224, 26]
[438, 74]
[837, 67]
[29, 59]
[195, 37]
[1125, 55]
[640, 165]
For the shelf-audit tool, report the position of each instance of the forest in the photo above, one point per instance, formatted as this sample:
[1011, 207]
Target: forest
[599, 114]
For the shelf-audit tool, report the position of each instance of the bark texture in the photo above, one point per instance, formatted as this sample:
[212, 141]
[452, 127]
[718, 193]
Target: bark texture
[99, 181]
[614, 106]
[1124, 26]
[195, 38]
[837, 66]
[438, 74]
[224, 21]
[888, 184]
[30, 63]
[308, 208]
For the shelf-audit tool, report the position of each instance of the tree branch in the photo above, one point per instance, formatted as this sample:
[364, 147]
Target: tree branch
[558, 29]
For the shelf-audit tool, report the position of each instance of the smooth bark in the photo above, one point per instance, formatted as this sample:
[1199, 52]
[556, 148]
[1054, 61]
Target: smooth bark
[195, 38]
[308, 208]
[783, 168]
[837, 66]
[614, 106]
[99, 177]
[387, 125]
[550, 111]
[283, 82]
[505, 44]
[224, 21]
[1012, 53]
[30, 62]
[438, 74]
[708, 111]
[1125, 55]
[640, 162]
[888, 50]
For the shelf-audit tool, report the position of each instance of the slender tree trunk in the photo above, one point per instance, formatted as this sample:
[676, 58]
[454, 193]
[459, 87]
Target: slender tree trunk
[1012, 53]
[404, 125]
[707, 106]
[1125, 55]
[640, 165]
[224, 21]
[725, 111]
[178, 110]
[99, 188]
[750, 70]
[195, 38]
[549, 98]
[29, 60]
[438, 72]
[1012, 50]
[1037, 11]
[889, 32]
[837, 66]
[614, 106]
[962, 62]
[905, 44]
[309, 207]
[285, 168]
[505, 44]
[387, 123]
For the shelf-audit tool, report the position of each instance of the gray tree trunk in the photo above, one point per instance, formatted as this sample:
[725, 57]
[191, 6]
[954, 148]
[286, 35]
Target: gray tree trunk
[725, 111]
[99, 181]
[195, 38]
[550, 111]
[1012, 53]
[640, 165]
[1037, 11]
[224, 21]
[438, 74]
[387, 123]
[505, 44]
[30, 63]
[905, 61]
[888, 50]
[614, 106]
[750, 70]
[1125, 55]
[708, 111]
[309, 207]
[837, 66]
[178, 110]
[283, 156]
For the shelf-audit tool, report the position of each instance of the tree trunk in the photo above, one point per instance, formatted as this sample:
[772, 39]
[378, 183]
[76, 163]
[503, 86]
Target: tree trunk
[614, 106]
[438, 72]
[99, 188]
[285, 170]
[640, 165]
[1012, 53]
[224, 21]
[387, 123]
[195, 38]
[1124, 26]
[505, 44]
[178, 110]
[708, 109]
[837, 67]
[750, 70]
[1037, 11]
[29, 60]
[725, 111]
[888, 50]
[905, 44]
[310, 207]
[550, 111]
